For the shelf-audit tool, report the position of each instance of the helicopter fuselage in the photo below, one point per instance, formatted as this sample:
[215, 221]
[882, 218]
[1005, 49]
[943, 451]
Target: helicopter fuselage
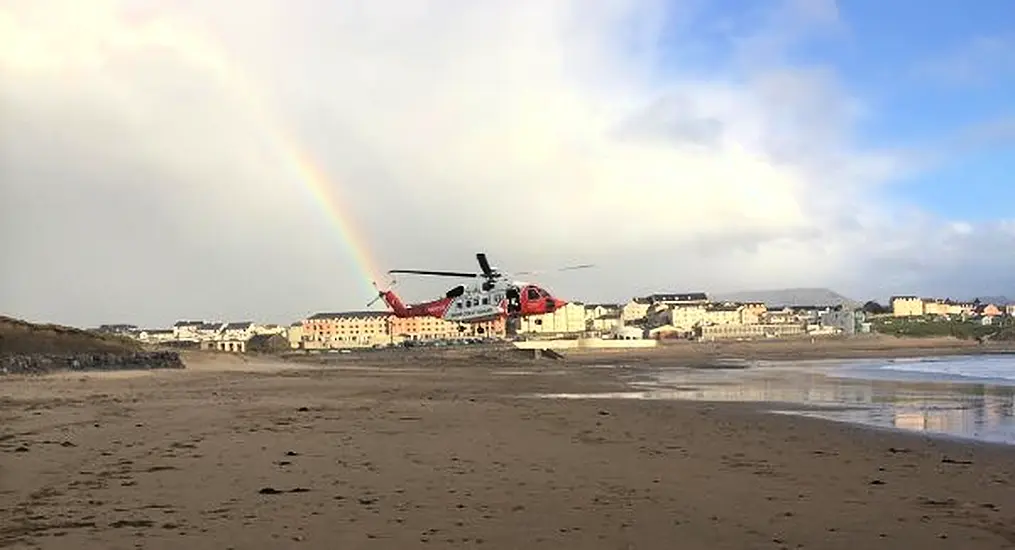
[481, 303]
[494, 298]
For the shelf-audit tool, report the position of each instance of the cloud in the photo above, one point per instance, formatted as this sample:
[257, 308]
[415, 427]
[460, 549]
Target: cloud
[147, 173]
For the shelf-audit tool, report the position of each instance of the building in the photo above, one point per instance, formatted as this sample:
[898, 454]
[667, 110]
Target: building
[237, 331]
[1010, 310]
[186, 330]
[845, 320]
[722, 314]
[684, 317]
[785, 316]
[118, 329]
[907, 306]
[347, 329]
[432, 328]
[745, 332]
[947, 307]
[988, 310]
[156, 336]
[603, 318]
[352, 329]
[672, 299]
[752, 313]
[295, 334]
[569, 319]
[639, 308]
[634, 310]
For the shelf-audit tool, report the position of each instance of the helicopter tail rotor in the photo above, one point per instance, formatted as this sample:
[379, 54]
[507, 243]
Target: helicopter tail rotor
[380, 293]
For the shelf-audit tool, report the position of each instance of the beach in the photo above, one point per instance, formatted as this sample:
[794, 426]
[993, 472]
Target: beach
[424, 451]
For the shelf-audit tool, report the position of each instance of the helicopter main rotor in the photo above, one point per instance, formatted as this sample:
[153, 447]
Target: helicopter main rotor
[487, 272]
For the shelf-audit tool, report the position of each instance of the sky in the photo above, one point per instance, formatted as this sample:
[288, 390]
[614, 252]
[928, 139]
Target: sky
[266, 160]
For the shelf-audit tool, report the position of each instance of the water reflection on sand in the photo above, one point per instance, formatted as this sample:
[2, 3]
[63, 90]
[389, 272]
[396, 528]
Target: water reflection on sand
[857, 391]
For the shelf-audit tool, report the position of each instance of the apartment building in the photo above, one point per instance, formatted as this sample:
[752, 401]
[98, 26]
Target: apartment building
[347, 329]
[915, 306]
[738, 331]
[377, 328]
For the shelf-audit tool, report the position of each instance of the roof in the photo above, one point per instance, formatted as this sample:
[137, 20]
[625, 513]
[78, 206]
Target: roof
[243, 325]
[678, 297]
[349, 315]
[210, 326]
[188, 323]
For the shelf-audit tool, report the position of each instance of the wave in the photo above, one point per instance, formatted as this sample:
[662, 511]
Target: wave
[985, 368]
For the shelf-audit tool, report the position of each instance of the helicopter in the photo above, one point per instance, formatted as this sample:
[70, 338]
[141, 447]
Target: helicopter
[494, 298]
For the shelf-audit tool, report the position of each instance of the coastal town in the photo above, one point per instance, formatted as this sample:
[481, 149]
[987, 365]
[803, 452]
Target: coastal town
[662, 316]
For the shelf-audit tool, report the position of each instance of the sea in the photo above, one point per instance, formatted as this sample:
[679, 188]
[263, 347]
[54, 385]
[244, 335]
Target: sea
[965, 397]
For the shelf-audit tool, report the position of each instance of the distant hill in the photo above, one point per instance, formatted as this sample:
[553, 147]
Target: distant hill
[996, 300]
[789, 297]
[22, 337]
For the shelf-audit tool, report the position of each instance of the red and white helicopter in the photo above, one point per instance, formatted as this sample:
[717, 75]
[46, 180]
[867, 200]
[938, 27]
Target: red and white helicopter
[494, 298]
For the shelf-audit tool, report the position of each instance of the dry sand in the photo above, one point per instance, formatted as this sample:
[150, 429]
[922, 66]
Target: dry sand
[430, 453]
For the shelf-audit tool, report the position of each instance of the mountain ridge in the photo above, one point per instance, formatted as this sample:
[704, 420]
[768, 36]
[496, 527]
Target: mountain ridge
[803, 296]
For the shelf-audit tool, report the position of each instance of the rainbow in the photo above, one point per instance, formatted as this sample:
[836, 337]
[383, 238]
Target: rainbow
[207, 54]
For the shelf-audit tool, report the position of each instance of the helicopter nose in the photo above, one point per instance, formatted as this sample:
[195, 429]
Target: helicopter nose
[558, 303]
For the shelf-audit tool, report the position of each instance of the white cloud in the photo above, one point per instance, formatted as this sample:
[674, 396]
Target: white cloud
[142, 153]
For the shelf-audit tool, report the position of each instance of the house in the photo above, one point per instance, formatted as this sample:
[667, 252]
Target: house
[208, 331]
[118, 329]
[603, 318]
[988, 310]
[847, 321]
[678, 298]
[156, 335]
[237, 331]
[634, 310]
[752, 312]
[569, 319]
[186, 330]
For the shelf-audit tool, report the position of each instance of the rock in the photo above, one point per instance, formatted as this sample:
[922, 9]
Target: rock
[44, 363]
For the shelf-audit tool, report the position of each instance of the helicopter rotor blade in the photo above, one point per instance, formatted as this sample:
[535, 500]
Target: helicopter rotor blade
[484, 264]
[436, 273]
[568, 268]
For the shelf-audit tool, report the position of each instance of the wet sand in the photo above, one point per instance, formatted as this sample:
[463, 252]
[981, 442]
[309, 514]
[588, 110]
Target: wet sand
[427, 453]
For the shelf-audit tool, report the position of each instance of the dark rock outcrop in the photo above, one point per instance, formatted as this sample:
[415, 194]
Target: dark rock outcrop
[43, 363]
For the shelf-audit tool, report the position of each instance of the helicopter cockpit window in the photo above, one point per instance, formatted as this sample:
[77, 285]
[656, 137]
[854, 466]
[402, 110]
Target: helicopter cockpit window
[533, 294]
